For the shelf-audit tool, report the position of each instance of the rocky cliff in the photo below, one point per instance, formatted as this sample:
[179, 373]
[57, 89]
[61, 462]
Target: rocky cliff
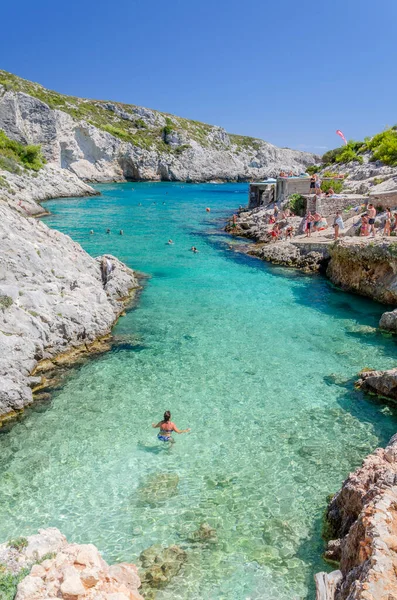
[367, 267]
[54, 301]
[110, 141]
[362, 519]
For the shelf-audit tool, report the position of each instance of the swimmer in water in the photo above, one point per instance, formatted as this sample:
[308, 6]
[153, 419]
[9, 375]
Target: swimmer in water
[91, 232]
[193, 249]
[107, 231]
[170, 242]
[166, 428]
[121, 232]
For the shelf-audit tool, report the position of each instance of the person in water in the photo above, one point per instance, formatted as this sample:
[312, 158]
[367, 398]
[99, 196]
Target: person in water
[167, 427]
[170, 242]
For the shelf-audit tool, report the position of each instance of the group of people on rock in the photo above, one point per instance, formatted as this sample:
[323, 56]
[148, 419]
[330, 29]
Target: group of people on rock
[284, 174]
[367, 222]
[314, 222]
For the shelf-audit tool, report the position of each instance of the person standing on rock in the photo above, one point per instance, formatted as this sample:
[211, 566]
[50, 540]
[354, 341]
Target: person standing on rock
[167, 427]
[309, 223]
[338, 224]
[371, 219]
[387, 227]
[106, 268]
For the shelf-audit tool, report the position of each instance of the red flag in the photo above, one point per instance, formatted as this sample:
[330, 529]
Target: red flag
[338, 132]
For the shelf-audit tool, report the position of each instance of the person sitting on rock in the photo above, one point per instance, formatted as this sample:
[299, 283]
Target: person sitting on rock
[289, 232]
[166, 428]
[330, 192]
[275, 232]
[317, 219]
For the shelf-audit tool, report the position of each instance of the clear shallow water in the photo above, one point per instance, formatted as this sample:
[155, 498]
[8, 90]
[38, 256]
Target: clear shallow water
[239, 351]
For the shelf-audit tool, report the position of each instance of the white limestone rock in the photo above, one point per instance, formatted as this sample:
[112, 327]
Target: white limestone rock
[96, 155]
[52, 299]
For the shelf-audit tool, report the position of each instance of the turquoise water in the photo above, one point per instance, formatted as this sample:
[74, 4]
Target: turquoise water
[245, 354]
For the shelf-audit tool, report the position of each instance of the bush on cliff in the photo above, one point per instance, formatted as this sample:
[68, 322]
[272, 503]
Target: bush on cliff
[297, 204]
[14, 155]
[344, 154]
[384, 147]
[335, 184]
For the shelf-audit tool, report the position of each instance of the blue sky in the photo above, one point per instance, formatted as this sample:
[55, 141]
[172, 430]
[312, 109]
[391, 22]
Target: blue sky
[289, 72]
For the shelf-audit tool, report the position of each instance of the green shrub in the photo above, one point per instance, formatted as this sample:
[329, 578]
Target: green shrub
[384, 147]
[5, 301]
[18, 543]
[378, 180]
[169, 128]
[140, 123]
[313, 169]
[335, 184]
[9, 582]
[297, 204]
[13, 155]
[116, 131]
[344, 154]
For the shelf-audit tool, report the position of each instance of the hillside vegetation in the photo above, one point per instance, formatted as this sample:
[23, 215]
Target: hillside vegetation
[129, 122]
[15, 157]
[382, 146]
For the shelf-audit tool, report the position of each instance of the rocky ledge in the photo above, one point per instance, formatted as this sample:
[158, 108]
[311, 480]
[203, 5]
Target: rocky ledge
[24, 191]
[45, 566]
[362, 520]
[307, 258]
[367, 267]
[56, 301]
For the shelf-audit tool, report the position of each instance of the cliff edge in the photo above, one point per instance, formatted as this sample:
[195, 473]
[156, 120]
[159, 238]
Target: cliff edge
[55, 299]
[102, 141]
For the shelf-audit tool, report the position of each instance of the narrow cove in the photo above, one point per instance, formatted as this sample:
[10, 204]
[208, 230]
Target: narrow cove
[249, 356]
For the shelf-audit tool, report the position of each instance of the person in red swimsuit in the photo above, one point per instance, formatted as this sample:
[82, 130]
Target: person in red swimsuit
[167, 427]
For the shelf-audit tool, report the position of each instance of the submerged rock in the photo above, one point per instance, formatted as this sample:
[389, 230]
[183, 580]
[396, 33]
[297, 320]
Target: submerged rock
[158, 487]
[204, 534]
[158, 566]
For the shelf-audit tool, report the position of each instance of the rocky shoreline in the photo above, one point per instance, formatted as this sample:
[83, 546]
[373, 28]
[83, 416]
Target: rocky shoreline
[55, 303]
[360, 523]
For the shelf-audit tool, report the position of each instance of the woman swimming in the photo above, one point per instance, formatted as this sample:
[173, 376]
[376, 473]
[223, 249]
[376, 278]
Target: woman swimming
[167, 427]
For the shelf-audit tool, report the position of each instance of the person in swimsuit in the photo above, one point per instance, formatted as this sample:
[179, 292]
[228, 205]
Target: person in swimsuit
[338, 224]
[312, 183]
[371, 219]
[167, 427]
[309, 222]
[387, 228]
[364, 225]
